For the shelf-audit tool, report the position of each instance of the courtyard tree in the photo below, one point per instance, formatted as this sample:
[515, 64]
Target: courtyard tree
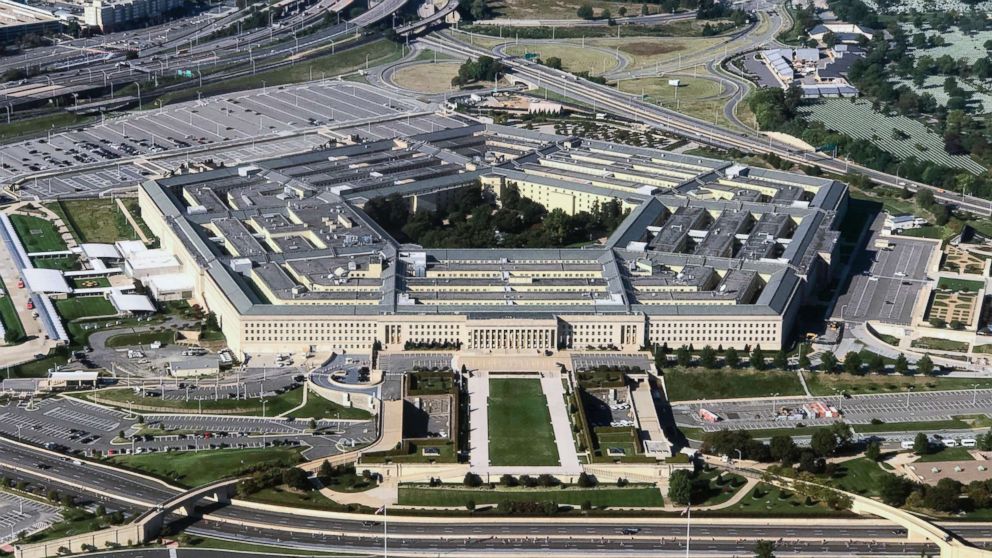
[921, 444]
[925, 366]
[852, 363]
[707, 358]
[680, 487]
[683, 356]
[902, 365]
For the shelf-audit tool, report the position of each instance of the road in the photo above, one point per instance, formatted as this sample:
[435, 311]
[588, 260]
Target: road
[608, 99]
[130, 492]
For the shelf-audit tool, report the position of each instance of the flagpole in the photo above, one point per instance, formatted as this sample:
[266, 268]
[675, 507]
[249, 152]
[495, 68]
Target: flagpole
[385, 532]
[688, 522]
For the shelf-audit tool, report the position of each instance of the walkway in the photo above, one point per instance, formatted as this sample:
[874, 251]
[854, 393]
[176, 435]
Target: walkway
[132, 222]
[387, 493]
[478, 420]
[568, 459]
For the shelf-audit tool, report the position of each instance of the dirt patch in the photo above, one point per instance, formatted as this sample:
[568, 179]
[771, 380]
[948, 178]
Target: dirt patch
[647, 48]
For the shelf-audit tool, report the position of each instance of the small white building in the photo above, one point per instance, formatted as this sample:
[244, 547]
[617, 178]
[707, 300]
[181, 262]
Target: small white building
[131, 304]
[40, 280]
[170, 287]
[193, 367]
[903, 222]
[142, 265]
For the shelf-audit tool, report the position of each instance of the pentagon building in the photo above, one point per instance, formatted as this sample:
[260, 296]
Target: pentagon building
[710, 253]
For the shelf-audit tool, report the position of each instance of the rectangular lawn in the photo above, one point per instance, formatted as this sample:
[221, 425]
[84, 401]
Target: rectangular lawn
[37, 234]
[520, 431]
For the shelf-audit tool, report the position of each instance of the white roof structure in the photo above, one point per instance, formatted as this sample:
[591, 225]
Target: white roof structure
[77, 376]
[131, 302]
[807, 54]
[96, 251]
[777, 62]
[170, 282]
[128, 248]
[46, 281]
[150, 260]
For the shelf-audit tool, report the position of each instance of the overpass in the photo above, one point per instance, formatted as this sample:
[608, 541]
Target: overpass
[425, 23]
[146, 527]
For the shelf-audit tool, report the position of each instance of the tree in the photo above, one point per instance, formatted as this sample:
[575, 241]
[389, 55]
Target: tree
[925, 366]
[606, 15]
[764, 549]
[781, 360]
[296, 478]
[472, 480]
[823, 442]
[893, 489]
[804, 363]
[984, 441]
[828, 362]
[873, 451]
[944, 497]
[852, 363]
[921, 444]
[707, 358]
[680, 487]
[876, 364]
[470, 505]
[622, 11]
[731, 358]
[902, 365]
[924, 198]
[585, 481]
[782, 447]
[683, 356]
[508, 480]
[758, 358]
[326, 472]
[585, 11]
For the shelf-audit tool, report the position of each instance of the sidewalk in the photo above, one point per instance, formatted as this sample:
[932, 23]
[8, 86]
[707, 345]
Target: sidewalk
[568, 459]
[478, 405]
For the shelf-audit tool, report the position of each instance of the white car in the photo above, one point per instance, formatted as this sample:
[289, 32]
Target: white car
[969, 443]
[949, 443]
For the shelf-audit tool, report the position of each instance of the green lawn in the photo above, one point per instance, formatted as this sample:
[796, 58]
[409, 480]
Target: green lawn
[946, 454]
[411, 451]
[860, 476]
[319, 408]
[698, 383]
[314, 500]
[142, 338]
[607, 496]
[715, 487]
[192, 469]
[940, 344]
[826, 384]
[92, 282]
[40, 125]
[274, 405]
[38, 368]
[74, 308]
[429, 382]
[37, 234]
[930, 426]
[963, 285]
[8, 314]
[64, 263]
[771, 501]
[520, 430]
[96, 220]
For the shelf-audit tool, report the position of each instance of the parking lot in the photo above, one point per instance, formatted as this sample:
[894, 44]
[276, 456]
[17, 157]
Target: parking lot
[247, 126]
[604, 410]
[589, 361]
[403, 362]
[855, 410]
[19, 514]
[888, 282]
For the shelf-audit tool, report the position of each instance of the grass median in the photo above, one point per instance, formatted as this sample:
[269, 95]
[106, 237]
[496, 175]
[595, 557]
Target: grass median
[632, 496]
[197, 468]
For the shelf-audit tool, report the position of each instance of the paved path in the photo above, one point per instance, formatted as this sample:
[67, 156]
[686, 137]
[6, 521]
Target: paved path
[478, 409]
[555, 394]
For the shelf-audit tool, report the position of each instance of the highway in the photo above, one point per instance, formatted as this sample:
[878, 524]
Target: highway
[608, 99]
[133, 493]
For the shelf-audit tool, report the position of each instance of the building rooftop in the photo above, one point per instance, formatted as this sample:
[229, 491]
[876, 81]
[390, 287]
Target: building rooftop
[288, 236]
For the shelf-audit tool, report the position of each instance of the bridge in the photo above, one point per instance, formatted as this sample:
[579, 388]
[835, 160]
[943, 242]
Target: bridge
[144, 528]
[427, 22]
